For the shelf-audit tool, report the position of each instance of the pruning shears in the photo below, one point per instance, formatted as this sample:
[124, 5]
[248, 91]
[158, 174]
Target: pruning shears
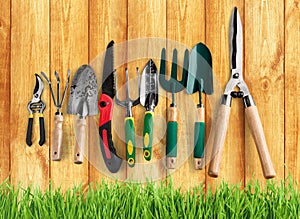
[236, 80]
[36, 105]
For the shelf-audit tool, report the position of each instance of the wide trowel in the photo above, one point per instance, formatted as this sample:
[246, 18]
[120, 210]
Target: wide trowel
[112, 160]
[82, 102]
[149, 99]
[200, 78]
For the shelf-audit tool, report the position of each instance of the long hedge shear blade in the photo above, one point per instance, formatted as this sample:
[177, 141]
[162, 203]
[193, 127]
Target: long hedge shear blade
[236, 80]
[36, 105]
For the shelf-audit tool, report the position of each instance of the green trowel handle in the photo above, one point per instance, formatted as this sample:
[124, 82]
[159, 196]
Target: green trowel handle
[130, 141]
[172, 130]
[199, 139]
[148, 135]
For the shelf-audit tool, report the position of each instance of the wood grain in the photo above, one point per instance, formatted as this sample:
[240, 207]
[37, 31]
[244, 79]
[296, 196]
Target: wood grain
[5, 90]
[69, 49]
[264, 49]
[147, 33]
[29, 55]
[108, 21]
[292, 89]
[186, 26]
[217, 33]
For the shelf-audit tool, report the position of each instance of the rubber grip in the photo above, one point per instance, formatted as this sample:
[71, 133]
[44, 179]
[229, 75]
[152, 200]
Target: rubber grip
[220, 134]
[172, 129]
[29, 131]
[57, 137]
[111, 159]
[199, 136]
[42, 130]
[130, 141]
[260, 141]
[148, 135]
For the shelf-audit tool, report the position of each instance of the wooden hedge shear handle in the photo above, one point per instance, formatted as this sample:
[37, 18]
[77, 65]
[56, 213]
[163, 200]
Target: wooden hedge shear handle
[257, 132]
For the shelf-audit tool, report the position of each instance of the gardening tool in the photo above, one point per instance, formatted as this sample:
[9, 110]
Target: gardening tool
[200, 78]
[34, 106]
[236, 80]
[173, 86]
[58, 118]
[112, 160]
[129, 121]
[148, 99]
[82, 102]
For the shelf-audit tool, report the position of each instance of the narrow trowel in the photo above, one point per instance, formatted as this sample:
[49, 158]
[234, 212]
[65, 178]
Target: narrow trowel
[200, 78]
[83, 102]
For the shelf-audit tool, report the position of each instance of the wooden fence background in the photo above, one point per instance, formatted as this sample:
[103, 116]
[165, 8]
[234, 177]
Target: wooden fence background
[60, 34]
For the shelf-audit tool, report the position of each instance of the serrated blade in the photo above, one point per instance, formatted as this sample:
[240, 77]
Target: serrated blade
[149, 86]
[236, 41]
[108, 70]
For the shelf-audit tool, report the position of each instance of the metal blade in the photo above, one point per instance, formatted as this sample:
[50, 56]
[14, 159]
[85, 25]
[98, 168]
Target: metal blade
[149, 86]
[236, 41]
[38, 89]
[84, 88]
[108, 70]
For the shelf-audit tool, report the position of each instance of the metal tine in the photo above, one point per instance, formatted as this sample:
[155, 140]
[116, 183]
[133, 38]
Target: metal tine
[50, 85]
[137, 101]
[58, 88]
[127, 85]
[66, 87]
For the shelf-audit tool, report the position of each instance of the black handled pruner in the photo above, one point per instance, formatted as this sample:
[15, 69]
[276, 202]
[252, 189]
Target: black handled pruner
[36, 105]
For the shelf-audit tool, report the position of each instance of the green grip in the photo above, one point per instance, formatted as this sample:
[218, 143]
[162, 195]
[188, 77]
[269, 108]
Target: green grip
[199, 136]
[172, 139]
[148, 135]
[130, 141]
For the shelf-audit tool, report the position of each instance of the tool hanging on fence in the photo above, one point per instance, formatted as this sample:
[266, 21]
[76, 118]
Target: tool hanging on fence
[200, 79]
[129, 120]
[36, 105]
[57, 133]
[172, 86]
[148, 99]
[236, 80]
[82, 102]
[111, 159]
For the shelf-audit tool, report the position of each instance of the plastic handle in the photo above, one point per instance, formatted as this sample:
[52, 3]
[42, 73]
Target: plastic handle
[29, 130]
[199, 139]
[172, 131]
[148, 135]
[80, 140]
[57, 137]
[220, 134]
[130, 141]
[42, 130]
[260, 141]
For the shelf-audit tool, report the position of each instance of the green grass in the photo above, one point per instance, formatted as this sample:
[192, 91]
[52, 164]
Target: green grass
[126, 200]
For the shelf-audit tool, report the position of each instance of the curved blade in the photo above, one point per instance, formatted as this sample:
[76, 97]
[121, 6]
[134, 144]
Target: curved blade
[38, 89]
[236, 41]
[108, 70]
[149, 86]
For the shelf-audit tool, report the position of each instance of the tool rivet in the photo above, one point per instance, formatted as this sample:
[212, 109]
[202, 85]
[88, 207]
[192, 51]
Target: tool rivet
[236, 75]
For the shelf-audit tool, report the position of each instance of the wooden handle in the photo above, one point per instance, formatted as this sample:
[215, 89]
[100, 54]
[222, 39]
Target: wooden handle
[260, 141]
[57, 137]
[80, 141]
[221, 129]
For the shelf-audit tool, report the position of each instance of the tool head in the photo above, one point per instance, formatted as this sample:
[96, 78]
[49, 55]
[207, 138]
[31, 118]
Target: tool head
[84, 89]
[200, 68]
[236, 41]
[38, 89]
[149, 86]
[108, 86]
[173, 85]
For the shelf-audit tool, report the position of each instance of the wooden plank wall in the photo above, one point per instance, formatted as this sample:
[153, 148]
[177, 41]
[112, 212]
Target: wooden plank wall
[56, 35]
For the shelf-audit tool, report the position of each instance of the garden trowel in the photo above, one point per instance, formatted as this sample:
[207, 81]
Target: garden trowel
[83, 102]
[200, 78]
